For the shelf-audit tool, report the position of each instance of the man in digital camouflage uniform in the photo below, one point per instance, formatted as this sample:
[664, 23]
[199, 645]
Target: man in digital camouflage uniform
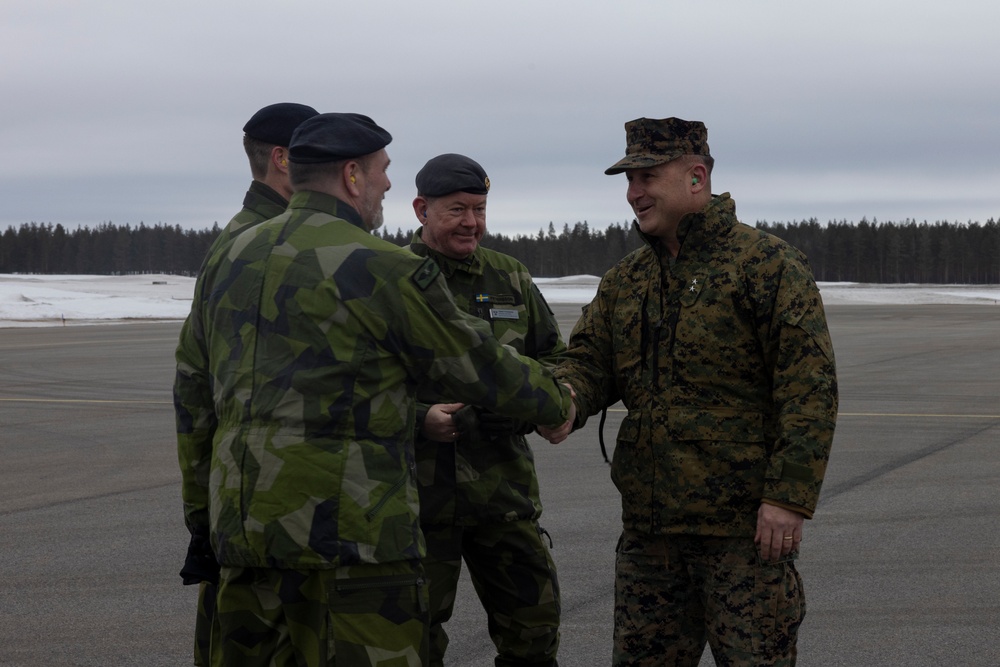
[296, 444]
[713, 336]
[475, 471]
[265, 140]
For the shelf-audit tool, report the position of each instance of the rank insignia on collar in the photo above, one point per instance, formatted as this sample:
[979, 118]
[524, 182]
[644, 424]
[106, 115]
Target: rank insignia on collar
[693, 290]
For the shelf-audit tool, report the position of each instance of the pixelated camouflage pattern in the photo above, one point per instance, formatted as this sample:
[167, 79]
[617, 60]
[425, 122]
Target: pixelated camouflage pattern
[360, 616]
[724, 362]
[675, 593]
[296, 377]
[649, 142]
[512, 570]
[486, 477]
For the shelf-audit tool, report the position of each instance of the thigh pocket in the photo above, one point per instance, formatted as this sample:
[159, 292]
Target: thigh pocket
[780, 607]
[382, 615]
[758, 608]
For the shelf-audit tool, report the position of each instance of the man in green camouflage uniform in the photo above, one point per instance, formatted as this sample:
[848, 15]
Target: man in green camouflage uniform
[475, 471]
[713, 336]
[295, 406]
[265, 139]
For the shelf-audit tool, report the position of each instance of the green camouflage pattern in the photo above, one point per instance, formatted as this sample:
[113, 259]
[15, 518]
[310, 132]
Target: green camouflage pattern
[360, 616]
[260, 203]
[479, 497]
[649, 142]
[724, 361]
[514, 575]
[673, 593]
[486, 476]
[295, 386]
[206, 624]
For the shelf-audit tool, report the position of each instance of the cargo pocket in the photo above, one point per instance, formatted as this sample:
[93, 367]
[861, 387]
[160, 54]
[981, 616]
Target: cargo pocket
[383, 614]
[632, 460]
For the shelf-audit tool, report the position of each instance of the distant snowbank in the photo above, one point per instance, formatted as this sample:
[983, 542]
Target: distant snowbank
[42, 300]
[581, 289]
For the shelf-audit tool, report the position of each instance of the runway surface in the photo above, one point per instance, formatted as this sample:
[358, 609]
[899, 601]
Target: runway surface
[901, 565]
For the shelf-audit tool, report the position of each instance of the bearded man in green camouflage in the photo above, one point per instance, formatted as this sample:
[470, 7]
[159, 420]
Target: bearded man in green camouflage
[295, 406]
[475, 471]
[714, 337]
[265, 139]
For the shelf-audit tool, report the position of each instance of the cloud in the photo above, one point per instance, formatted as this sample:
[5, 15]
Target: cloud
[132, 111]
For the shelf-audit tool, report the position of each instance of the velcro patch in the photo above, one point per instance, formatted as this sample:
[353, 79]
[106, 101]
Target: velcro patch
[426, 274]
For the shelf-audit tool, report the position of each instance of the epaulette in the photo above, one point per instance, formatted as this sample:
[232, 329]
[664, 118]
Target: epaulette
[426, 274]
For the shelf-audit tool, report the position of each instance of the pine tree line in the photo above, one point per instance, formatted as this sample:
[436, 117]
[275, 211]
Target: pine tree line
[907, 252]
[107, 249]
[870, 252]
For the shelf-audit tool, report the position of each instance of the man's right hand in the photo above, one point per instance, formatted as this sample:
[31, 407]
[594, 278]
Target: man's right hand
[439, 425]
[560, 433]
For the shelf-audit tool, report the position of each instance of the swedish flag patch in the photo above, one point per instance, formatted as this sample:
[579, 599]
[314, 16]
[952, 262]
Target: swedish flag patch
[426, 274]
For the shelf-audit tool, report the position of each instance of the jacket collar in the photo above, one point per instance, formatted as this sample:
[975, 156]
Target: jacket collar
[700, 231]
[324, 203]
[472, 264]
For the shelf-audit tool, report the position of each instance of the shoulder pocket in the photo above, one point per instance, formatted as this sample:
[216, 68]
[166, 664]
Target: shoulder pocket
[424, 276]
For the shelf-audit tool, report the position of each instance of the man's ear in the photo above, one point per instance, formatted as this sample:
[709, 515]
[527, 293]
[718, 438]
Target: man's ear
[279, 159]
[699, 177]
[350, 176]
[420, 209]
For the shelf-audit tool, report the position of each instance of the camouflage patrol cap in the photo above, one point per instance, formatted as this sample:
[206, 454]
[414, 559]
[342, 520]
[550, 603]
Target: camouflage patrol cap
[275, 123]
[330, 137]
[449, 173]
[649, 142]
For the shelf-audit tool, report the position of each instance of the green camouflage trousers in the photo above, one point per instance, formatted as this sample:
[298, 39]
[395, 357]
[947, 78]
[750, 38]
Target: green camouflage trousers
[672, 593]
[204, 624]
[515, 578]
[359, 616]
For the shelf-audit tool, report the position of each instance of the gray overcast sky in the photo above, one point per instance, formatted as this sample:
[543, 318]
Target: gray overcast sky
[131, 112]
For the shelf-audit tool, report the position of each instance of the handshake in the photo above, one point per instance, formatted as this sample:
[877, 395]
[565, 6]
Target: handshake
[560, 433]
[447, 422]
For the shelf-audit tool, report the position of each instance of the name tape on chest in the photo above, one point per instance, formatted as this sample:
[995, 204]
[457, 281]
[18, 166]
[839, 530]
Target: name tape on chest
[504, 314]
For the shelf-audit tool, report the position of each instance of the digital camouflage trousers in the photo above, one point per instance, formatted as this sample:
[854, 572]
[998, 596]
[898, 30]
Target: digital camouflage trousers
[515, 578]
[675, 593]
[359, 616]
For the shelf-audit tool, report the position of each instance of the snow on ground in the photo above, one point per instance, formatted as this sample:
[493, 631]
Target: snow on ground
[52, 300]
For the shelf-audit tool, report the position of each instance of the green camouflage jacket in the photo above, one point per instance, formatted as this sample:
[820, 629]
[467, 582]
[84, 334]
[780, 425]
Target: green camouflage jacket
[489, 474]
[295, 390]
[261, 203]
[723, 359]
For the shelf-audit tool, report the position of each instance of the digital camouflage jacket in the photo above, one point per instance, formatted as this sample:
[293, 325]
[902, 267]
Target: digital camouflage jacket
[489, 474]
[723, 360]
[295, 390]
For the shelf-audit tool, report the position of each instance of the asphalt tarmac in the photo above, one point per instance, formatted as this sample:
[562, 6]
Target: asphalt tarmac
[901, 565]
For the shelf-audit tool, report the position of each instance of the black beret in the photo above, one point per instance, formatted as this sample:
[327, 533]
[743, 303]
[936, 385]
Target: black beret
[274, 124]
[330, 137]
[449, 173]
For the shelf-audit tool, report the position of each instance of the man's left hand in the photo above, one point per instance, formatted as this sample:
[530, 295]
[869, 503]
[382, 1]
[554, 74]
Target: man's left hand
[779, 531]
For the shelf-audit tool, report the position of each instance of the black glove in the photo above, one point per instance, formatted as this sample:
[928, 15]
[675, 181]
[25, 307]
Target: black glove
[200, 563]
